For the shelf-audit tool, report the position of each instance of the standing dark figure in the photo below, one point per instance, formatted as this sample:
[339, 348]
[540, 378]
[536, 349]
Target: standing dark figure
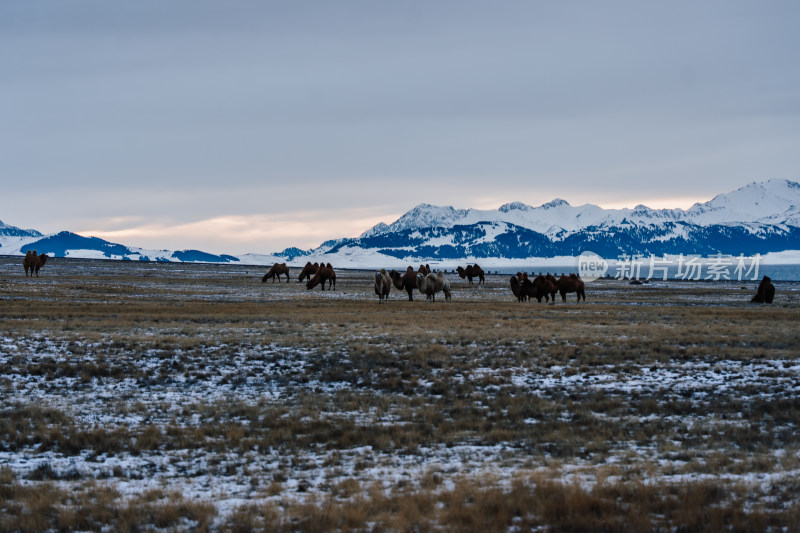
[33, 262]
[407, 281]
[765, 293]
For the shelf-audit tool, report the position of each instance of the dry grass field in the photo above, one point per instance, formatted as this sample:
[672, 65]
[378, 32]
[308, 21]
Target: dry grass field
[153, 396]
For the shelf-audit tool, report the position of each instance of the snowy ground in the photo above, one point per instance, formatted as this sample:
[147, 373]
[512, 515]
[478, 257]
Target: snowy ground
[655, 383]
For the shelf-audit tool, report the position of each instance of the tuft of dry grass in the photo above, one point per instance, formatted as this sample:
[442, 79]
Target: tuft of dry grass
[475, 504]
[93, 506]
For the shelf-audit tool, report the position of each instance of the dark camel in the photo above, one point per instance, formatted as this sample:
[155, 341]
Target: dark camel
[406, 282]
[325, 273]
[33, 262]
[277, 270]
[308, 271]
[766, 292]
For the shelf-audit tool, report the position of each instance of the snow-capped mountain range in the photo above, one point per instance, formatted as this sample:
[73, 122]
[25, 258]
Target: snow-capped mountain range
[758, 218]
[771, 202]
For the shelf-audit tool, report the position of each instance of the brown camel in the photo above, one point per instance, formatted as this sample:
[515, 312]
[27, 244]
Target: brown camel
[516, 289]
[766, 292]
[472, 271]
[277, 270]
[525, 286]
[571, 283]
[553, 281]
[29, 262]
[407, 281]
[325, 273]
[33, 263]
[540, 288]
[308, 271]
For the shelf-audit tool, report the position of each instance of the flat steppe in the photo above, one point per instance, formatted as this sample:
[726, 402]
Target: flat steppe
[155, 396]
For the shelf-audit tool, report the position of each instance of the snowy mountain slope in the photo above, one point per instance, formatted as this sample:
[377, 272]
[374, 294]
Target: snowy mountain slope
[507, 241]
[756, 202]
[764, 202]
[13, 231]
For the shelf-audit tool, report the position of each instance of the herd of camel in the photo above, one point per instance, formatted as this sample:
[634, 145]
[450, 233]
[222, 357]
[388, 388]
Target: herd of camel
[430, 283]
[316, 274]
[546, 286]
[424, 280]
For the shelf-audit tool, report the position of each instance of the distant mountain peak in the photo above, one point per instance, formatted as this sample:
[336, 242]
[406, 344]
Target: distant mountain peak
[377, 229]
[751, 203]
[427, 215]
[558, 202]
[514, 206]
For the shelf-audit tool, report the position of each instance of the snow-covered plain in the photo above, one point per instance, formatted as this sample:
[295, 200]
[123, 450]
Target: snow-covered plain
[171, 373]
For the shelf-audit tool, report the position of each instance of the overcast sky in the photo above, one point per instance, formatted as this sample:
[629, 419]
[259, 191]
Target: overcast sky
[236, 127]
